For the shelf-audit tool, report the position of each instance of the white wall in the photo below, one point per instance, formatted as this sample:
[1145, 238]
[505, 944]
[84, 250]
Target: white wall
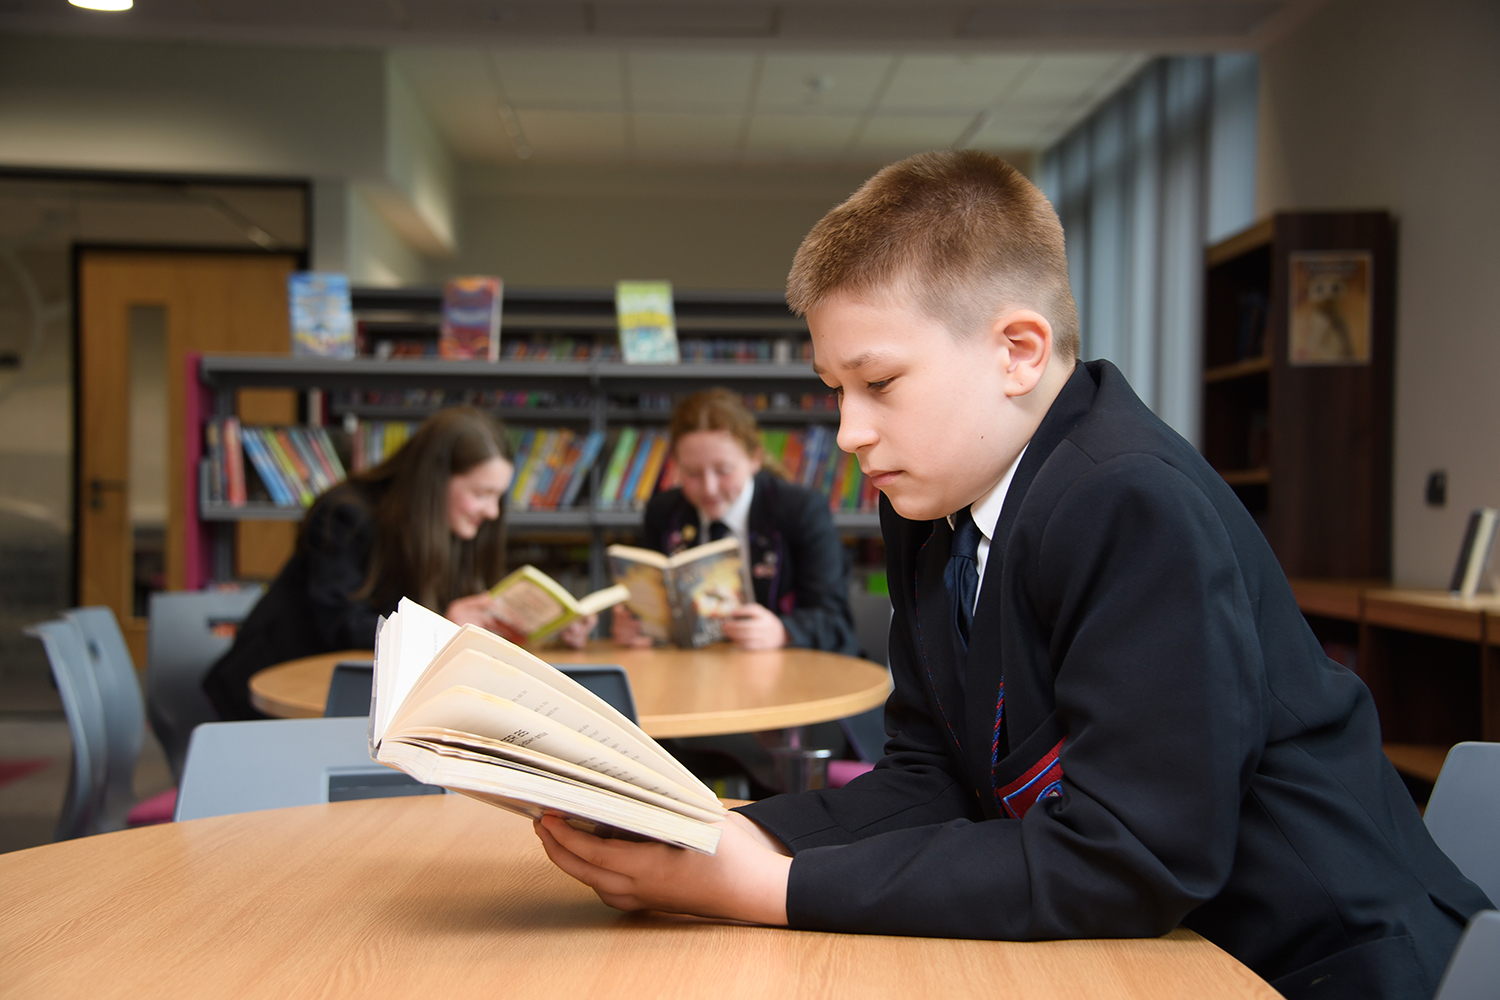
[709, 227]
[1391, 104]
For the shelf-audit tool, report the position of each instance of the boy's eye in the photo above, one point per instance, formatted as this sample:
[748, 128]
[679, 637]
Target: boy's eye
[878, 386]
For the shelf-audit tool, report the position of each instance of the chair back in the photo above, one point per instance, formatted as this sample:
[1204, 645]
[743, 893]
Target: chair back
[235, 767]
[349, 689]
[124, 709]
[608, 681]
[188, 632]
[1474, 968]
[67, 653]
[872, 622]
[1463, 813]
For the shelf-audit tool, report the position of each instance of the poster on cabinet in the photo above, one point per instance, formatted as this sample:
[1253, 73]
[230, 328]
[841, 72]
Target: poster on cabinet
[1330, 308]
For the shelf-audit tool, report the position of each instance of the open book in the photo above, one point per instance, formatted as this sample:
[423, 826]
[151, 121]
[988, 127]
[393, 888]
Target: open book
[537, 606]
[686, 597]
[463, 708]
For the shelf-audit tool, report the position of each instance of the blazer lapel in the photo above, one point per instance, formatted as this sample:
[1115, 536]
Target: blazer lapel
[984, 679]
[935, 640]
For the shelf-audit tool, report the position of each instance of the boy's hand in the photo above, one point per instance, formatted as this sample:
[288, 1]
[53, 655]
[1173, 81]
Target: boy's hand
[745, 880]
[751, 626]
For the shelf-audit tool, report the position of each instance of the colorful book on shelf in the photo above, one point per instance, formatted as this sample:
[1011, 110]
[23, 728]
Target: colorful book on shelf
[654, 461]
[471, 318]
[626, 498]
[533, 440]
[266, 466]
[489, 720]
[682, 598]
[211, 465]
[558, 480]
[593, 444]
[648, 328]
[291, 465]
[321, 319]
[235, 492]
[311, 470]
[544, 466]
[614, 472]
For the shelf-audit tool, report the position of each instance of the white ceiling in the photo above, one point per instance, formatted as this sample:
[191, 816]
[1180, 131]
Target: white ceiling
[654, 105]
[814, 82]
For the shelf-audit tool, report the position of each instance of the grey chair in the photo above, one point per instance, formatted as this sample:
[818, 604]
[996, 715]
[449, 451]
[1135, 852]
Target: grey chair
[1463, 813]
[188, 631]
[235, 767]
[1474, 969]
[124, 709]
[67, 653]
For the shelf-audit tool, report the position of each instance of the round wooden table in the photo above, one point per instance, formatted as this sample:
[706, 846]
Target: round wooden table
[678, 692]
[441, 896]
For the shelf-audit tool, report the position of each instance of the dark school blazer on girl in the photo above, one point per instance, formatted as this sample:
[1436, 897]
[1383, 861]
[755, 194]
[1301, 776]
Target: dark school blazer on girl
[796, 560]
[1146, 734]
[309, 608]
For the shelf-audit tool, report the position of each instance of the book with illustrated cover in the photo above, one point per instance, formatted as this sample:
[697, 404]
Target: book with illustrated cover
[537, 606]
[463, 708]
[471, 319]
[683, 598]
[321, 317]
[648, 327]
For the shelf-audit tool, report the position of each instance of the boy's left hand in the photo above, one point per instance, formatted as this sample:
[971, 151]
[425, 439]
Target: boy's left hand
[745, 880]
[751, 626]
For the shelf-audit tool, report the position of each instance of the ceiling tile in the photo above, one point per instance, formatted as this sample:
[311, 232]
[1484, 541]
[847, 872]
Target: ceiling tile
[904, 134]
[561, 78]
[799, 136]
[586, 135]
[690, 81]
[820, 81]
[455, 88]
[953, 82]
[1065, 78]
[686, 136]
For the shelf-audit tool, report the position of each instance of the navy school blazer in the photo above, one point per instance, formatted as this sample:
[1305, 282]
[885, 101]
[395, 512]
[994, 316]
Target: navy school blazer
[1147, 734]
[796, 560]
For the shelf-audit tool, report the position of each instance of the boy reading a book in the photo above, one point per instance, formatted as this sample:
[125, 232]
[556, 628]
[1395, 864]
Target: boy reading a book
[1109, 717]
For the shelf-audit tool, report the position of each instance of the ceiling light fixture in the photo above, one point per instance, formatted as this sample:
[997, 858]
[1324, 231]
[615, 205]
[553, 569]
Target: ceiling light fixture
[103, 4]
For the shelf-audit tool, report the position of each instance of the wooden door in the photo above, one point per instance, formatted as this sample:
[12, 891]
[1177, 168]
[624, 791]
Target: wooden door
[218, 302]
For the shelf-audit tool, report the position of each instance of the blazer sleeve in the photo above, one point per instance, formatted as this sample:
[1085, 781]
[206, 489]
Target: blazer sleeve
[337, 543]
[1159, 687]
[821, 618]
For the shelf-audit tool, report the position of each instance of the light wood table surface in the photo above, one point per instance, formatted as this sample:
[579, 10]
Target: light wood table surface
[442, 897]
[678, 692]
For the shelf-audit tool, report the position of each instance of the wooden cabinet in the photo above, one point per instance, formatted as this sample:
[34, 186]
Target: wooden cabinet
[1295, 418]
[1431, 661]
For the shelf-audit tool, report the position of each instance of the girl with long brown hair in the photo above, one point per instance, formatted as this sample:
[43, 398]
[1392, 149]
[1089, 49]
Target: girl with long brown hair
[427, 523]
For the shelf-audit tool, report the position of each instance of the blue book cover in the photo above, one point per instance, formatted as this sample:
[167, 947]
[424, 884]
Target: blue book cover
[322, 321]
[588, 455]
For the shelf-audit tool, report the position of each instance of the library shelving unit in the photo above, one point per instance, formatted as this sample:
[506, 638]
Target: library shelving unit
[570, 365]
[1305, 441]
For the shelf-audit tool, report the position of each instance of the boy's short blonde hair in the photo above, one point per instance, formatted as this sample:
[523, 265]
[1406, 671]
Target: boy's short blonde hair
[962, 233]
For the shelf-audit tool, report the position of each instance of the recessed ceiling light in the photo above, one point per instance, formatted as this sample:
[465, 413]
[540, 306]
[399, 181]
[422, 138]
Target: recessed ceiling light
[103, 4]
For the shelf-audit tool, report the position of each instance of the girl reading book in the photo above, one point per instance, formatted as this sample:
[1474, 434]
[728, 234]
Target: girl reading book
[427, 523]
[789, 546]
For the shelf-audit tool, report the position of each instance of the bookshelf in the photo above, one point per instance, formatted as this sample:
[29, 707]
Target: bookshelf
[571, 377]
[1296, 419]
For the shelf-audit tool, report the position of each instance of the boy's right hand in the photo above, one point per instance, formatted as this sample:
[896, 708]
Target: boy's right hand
[626, 629]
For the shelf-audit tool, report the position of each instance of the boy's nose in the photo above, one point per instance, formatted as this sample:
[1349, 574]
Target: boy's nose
[854, 433]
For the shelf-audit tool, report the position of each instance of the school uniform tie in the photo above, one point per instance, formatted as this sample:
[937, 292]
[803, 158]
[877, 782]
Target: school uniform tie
[961, 576]
[717, 530]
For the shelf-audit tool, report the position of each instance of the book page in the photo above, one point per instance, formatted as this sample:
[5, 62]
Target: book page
[415, 635]
[601, 599]
[646, 581]
[470, 710]
[474, 669]
[474, 637]
[450, 743]
[708, 549]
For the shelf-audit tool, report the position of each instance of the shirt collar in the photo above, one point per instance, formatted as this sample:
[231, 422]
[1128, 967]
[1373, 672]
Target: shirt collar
[737, 517]
[986, 510]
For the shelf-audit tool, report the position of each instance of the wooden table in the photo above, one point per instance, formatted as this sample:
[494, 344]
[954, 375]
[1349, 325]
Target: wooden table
[678, 692]
[442, 897]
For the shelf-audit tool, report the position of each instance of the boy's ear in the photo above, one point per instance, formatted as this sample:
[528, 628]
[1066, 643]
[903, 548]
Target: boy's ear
[1022, 339]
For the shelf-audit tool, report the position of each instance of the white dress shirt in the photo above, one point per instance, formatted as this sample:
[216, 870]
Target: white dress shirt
[986, 514]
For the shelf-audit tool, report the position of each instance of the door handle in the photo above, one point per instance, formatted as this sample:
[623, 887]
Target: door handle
[97, 487]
